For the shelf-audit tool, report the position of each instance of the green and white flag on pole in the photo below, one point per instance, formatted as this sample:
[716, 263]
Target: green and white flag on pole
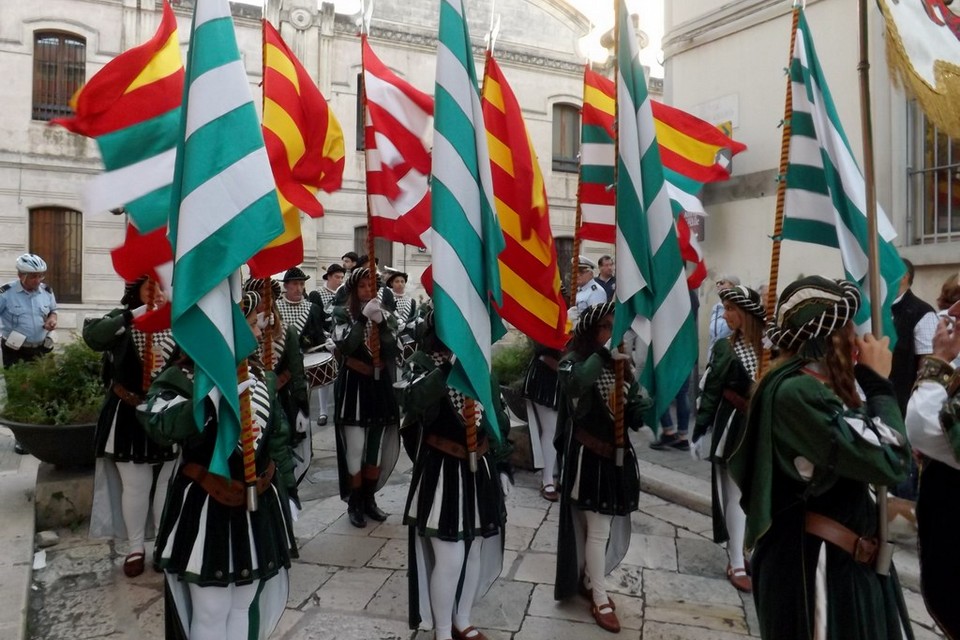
[826, 200]
[466, 235]
[652, 294]
[224, 209]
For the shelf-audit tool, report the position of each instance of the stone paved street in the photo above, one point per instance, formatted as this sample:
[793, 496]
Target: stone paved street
[351, 583]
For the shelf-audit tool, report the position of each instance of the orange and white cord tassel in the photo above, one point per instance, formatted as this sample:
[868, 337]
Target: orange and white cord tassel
[247, 439]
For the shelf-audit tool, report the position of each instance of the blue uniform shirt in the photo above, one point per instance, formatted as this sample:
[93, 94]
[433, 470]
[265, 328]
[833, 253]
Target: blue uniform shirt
[25, 311]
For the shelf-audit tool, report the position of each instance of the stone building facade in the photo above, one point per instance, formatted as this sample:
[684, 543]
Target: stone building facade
[43, 168]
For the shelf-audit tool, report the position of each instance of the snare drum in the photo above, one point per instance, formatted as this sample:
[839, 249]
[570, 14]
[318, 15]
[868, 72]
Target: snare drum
[319, 368]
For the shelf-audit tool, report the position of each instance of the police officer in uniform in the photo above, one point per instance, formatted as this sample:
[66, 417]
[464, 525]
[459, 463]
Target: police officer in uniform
[28, 313]
[589, 292]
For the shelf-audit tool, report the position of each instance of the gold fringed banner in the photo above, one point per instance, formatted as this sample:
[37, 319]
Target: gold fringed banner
[923, 54]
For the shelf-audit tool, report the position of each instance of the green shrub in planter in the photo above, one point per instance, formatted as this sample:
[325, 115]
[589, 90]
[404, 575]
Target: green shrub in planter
[62, 387]
[510, 362]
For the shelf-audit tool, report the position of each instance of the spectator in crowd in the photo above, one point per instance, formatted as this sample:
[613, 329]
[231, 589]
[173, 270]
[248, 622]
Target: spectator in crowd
[606, 279]
[718, 327]
[28, 315]
[915, 322]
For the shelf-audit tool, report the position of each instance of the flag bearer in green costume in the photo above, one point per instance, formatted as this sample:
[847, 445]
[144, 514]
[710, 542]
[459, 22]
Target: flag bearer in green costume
[597, 495]
[823, 425]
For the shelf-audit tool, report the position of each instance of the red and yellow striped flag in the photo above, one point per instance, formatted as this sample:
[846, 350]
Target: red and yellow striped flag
[529, 276]
[305, 145]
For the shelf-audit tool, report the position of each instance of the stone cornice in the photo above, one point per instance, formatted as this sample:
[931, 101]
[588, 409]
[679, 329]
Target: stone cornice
[729, 19]
[428, 41]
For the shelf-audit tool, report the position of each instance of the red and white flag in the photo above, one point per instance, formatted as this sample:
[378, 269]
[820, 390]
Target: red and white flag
[398, 119]
[147, 254]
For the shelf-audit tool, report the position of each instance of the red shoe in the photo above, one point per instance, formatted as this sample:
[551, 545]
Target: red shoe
[466, 634]
[549, 492]
[606, 616]
[133, 564]
[739, 579]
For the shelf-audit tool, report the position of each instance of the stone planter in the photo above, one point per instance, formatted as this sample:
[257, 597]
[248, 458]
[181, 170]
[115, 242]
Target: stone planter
[62, 445]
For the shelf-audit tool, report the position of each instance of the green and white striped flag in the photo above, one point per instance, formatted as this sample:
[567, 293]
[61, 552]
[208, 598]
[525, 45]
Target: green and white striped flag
[826, 195]
[652, 294]
[224, 210]
[466, 235]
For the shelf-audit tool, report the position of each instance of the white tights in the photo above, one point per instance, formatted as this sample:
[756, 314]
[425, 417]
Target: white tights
[136, 480]
[735, 518]
[221, 612]
[595, 553]
[448, 563]
[546, 419]
[355, 439]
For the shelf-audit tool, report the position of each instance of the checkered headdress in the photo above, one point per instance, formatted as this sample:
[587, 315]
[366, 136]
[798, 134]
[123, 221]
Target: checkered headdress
[809, 310]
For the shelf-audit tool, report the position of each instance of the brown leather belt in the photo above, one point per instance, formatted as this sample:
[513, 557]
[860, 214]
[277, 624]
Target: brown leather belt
[127, 396]
[230, 493]
[863, 550]
[283, 379]
[738, 401]
[452, 448]
[594, 444]
[360, 366]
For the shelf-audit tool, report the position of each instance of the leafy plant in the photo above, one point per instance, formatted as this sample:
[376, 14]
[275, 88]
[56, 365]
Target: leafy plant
[58, 388]
[510, 362]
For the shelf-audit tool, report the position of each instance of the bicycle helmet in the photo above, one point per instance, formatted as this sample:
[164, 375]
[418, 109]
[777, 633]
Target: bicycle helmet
[31, 263]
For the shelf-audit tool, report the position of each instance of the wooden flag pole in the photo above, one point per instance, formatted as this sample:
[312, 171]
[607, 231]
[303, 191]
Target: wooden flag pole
[374, 342]
[575, 259]
[619, 435]
[771, 302]
[885, 551]
[247, 440]
[266, 295]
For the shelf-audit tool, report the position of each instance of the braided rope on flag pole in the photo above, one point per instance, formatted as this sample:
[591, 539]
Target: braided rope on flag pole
[247, 439]
[618, 427]
[149, 295]
[771, 302]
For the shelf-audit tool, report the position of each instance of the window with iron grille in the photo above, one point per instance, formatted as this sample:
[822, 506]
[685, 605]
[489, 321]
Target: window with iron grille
[382, 246]
[59, 69]
[566, 137]
[564, 260]
[56, 235]
[933, 187]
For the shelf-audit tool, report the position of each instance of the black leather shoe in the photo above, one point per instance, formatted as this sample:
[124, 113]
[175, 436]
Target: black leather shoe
[355, 511]
[18, 449]
[373, 511]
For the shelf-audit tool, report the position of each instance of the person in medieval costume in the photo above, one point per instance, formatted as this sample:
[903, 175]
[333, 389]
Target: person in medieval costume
[395, 298]
[299, 312]
[541, 390]
[822, 425]
[599, 486]
[933, 426]
[279, 351]
[722, 410]
[366, 414]
[455, 507]
[324, 296]
[226, 567]
[132, 470]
